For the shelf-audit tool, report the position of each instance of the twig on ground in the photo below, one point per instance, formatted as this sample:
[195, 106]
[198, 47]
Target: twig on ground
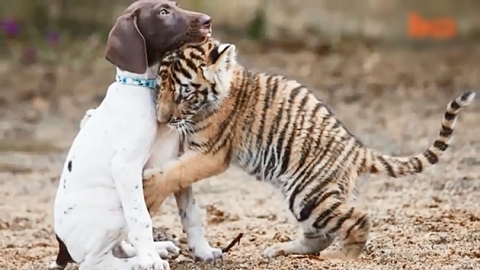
[233, 243]
[224, 250]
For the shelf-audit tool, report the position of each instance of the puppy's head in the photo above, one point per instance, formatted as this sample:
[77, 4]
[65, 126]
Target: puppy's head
[150, 28]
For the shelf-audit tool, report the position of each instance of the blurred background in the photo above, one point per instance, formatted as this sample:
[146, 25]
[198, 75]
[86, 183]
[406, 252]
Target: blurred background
[389, 87]
[51, 58]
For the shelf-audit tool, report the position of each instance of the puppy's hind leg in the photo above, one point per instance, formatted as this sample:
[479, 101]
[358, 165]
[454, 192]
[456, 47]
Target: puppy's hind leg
[107, 261]
[192, 226]
[107, 253]
[164, 248]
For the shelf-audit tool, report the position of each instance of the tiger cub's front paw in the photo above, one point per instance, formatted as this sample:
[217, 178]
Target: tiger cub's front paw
[152, 188]
[151, 173]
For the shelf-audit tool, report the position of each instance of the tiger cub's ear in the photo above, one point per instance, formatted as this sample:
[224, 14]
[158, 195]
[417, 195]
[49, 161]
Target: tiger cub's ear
[219, 72]
[223, 57]
[222, 60]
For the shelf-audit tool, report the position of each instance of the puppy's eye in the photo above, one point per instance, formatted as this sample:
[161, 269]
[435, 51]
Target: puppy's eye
[163, 12]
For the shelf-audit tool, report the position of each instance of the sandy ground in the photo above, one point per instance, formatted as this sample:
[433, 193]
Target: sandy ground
[392, 100]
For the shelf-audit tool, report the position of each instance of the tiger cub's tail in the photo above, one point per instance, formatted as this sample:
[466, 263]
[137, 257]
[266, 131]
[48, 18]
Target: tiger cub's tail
[402, 166]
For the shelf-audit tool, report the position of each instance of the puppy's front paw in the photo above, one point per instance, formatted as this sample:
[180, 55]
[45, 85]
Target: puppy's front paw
[166, 249]
[151, 261]
[206, 253]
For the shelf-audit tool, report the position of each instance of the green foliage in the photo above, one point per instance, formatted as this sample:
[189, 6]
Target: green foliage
[256, 29]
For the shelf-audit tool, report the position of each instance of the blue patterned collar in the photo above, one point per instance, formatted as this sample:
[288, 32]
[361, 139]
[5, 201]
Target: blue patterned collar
[149, 83]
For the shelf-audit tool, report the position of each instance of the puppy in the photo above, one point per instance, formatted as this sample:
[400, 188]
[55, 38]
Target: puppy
[99, 201]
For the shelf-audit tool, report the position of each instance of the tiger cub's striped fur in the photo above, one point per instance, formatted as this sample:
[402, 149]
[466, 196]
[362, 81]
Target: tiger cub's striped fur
[276, 130]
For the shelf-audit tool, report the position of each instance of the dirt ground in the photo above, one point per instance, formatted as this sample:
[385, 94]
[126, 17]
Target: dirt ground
[392, 99]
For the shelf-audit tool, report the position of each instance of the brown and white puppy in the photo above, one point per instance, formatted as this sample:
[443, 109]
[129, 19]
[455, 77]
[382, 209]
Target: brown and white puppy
[99, 201]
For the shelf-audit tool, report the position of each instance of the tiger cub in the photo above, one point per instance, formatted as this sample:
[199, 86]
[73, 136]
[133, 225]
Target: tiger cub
[276, 130]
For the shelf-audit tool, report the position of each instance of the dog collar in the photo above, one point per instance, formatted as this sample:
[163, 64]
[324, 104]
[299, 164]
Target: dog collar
[150, 83]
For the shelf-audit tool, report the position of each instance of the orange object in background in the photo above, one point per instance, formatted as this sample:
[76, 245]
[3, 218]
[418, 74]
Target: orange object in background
[439, 28]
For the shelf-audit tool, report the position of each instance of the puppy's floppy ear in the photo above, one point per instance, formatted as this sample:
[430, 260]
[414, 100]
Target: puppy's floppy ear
[126, 46]
[223, 57]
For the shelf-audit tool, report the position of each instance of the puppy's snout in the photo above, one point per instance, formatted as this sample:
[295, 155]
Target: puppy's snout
[205, 21]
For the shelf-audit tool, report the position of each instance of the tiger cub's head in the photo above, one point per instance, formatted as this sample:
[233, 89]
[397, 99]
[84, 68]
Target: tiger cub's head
[195, 79]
